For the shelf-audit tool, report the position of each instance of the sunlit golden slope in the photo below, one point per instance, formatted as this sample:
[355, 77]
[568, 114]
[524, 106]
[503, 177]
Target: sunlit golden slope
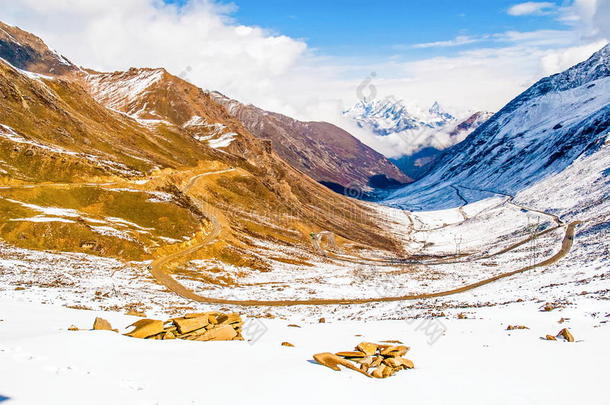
[140, 164]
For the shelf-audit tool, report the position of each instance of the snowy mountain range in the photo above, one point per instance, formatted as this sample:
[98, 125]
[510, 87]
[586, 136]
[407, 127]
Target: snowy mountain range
[132, 197]
[418, 136]
[390, 116]
[539, 133]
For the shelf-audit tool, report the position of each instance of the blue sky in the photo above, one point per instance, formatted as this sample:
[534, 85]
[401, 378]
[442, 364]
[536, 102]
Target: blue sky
[385, 28]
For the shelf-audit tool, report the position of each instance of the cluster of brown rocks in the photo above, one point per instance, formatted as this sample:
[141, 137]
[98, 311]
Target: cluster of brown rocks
[205, 326]
[516, 327]
[563, 334]
[369, 359]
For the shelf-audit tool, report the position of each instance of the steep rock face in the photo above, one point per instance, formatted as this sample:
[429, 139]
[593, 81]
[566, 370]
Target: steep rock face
[28, 52]
[323, 151]
[539, 133]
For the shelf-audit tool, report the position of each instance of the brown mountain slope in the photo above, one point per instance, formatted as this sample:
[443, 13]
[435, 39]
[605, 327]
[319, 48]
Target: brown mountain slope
[160, 164]
[57, 117]
[324, 151]
[166, 100]
[28, 52]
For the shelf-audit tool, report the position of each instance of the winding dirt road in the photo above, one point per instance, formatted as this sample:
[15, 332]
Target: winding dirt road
[158, 272]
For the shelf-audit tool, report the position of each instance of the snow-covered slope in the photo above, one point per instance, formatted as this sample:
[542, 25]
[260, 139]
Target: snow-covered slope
[37, 349]
[539, 133]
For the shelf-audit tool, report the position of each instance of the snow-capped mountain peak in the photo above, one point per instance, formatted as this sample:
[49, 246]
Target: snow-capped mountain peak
[437, 110]
[390, 116]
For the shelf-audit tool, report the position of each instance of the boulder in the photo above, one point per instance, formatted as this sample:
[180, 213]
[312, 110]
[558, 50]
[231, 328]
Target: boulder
[548, 307]
[322, 320]
[287, 344]
[379, 371]
[219, 319]
[132, 312]
[398, 362]
[101, 324]
[73, 328]
[351, 354]
[566, 334]
[550, 337]
[233, 319]
[515, 327]
[364, 361]
[333, 361]
[376, 361]
[370, 359]
[388, 372]
[198, 314]
[145, 328]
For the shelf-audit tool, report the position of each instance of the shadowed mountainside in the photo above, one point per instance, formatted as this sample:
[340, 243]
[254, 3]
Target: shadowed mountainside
[323, 151]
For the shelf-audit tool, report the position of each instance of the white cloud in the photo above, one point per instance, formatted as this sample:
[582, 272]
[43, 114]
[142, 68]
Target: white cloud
[200, 41]
[457, 41]
[560, 60]
[532, 8]
[591, 17]
[601, 18]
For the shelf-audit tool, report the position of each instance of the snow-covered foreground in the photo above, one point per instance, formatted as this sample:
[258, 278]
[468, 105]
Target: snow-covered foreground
[475, 361]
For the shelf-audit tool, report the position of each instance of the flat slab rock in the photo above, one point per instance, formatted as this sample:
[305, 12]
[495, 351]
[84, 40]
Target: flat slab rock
[205, 326]
[369, 359]
[145, 328]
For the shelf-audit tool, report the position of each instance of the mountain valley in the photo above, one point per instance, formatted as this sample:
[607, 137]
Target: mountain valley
[137, 193]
